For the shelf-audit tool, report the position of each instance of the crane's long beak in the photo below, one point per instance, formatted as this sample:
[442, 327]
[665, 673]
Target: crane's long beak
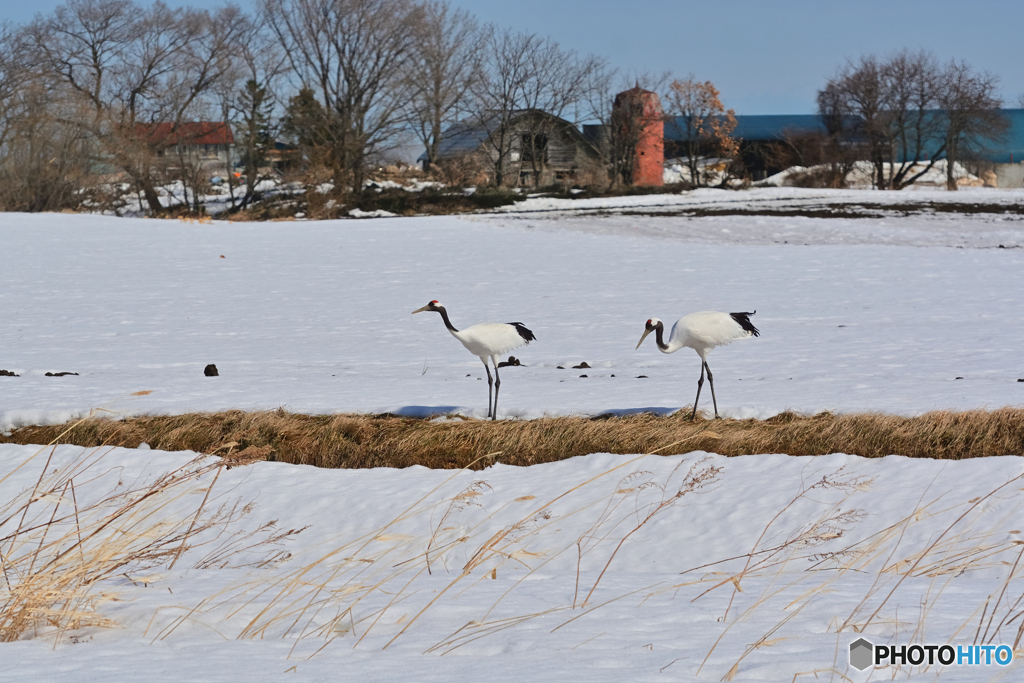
[420, 310]
[646, 332]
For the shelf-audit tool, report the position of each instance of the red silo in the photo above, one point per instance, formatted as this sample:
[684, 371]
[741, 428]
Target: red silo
[639, 122]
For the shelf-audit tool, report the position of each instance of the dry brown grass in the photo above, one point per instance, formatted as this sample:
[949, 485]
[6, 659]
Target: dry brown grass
[359, 441]
[56, 551]
[60, 545]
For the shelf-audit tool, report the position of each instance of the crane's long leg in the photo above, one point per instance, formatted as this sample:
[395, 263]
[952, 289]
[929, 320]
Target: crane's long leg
[497, 386]
[490, 383]
[700, 383]
[711, 381]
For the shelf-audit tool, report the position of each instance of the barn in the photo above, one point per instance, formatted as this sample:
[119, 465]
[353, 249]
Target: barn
[534, 148]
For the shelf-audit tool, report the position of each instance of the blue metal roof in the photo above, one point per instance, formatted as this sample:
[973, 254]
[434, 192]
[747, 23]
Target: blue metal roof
[1011, 148]
[462, 138]
[467, 136]
[773, 127]
[759, 127]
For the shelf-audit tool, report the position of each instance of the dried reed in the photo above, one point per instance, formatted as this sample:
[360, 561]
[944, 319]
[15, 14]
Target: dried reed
[58, 553]
[357, 441]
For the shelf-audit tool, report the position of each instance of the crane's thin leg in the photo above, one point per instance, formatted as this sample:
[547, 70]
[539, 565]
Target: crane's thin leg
[700, 383]
[497, 386]
[711, 381]
[490, 383]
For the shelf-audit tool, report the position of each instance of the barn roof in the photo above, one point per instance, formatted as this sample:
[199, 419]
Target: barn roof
[468, 135]
[463, 137]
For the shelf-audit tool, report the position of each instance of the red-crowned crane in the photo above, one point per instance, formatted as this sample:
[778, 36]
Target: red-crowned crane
[486, 340]
[702, 332]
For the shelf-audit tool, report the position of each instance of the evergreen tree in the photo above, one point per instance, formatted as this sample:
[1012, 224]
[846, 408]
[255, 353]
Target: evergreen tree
[307, 125]
[254, 135]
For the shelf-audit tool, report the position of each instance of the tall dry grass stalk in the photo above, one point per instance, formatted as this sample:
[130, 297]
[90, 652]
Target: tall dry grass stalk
[371, 584]
[971, 540]
[80, 525]
[355, 441]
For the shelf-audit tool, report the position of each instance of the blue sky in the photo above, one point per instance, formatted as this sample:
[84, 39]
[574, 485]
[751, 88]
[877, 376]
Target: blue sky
[765, 57]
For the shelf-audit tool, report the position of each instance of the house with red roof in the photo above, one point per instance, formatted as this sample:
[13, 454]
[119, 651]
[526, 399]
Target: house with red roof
[207, 145]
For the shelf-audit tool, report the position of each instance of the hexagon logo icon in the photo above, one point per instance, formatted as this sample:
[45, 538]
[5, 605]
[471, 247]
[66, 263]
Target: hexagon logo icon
[861, 654]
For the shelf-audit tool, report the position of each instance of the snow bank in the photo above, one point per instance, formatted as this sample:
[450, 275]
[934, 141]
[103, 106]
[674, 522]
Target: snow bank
[862, 175]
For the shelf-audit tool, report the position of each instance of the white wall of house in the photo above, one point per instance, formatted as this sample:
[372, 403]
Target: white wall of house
[213, 159]
[1009, 175]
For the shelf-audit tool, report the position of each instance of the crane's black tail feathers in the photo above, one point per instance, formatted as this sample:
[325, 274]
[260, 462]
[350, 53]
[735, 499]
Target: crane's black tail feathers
[743, 319]
[526, 334]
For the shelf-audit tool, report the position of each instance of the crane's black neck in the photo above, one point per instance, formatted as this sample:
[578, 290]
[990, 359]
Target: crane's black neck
[444, 317]
[659, 335]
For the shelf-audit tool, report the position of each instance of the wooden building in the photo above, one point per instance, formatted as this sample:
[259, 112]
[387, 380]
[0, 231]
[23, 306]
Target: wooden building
[530, 147]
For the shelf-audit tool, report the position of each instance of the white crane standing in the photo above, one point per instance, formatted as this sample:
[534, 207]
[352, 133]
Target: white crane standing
[702, 332]
[486, 340]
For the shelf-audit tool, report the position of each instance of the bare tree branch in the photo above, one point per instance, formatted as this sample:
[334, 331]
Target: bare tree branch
[352, 54]
[971, 106]
[444, 67]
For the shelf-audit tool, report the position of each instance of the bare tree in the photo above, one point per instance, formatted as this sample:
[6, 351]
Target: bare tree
[892, 105]
[132, 67]
[596, 103]
[556, 83]
[970, 105]
[907, 112]
[529, 86]
[705, 124]
[81, 46]
[498, 95]
[836, 149]
[913, 82]
[206, 62]
[14, 75]
[45, 165]
[248, 100]
[444, 67]
[352, 55]
[826, 160]
[852, 105]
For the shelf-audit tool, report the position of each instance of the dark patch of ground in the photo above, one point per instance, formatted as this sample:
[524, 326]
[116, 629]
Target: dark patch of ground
[397, 201]
[839, 210]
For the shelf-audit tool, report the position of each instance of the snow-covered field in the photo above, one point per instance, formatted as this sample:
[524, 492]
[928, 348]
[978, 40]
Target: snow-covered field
[315, 316]
[899, 314]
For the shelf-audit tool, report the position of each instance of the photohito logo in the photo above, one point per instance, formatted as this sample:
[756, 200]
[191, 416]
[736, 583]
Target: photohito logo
[863, 653]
